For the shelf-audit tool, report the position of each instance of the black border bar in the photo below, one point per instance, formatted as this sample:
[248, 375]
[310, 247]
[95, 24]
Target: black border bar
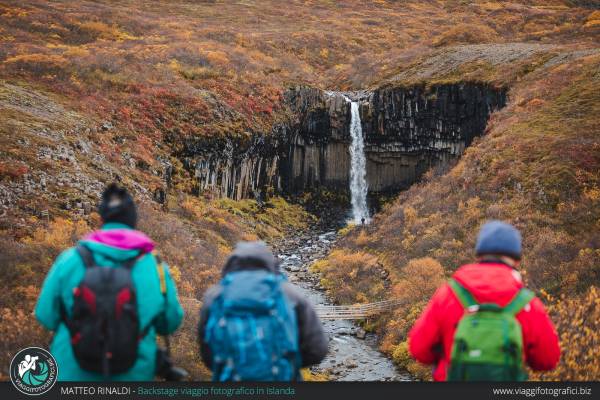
[313, 390]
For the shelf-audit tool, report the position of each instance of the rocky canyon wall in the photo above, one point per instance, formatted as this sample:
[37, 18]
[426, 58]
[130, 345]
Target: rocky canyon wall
[406, 131]
[235, 167]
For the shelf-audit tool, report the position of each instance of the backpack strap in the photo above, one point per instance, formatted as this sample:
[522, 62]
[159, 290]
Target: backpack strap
[86, 256]
[129, 264]
[521, 299]
[160, 268]
[464, 296]
[89, 262]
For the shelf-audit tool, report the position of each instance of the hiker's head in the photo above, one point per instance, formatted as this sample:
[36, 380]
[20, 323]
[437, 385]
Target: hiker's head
[499, 240]
[117, 206]
[251, 255]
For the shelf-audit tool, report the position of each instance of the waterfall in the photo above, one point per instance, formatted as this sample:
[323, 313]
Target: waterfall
[358, 168]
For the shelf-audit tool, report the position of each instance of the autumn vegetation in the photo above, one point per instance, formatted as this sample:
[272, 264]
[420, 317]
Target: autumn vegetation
[95, 91]
[195, 237]
[537, 167]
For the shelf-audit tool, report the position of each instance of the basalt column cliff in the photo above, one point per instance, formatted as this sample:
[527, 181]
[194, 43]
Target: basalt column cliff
[406, 131]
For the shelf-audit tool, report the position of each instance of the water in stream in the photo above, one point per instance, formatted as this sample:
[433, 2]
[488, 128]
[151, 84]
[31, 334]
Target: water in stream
[353, 355]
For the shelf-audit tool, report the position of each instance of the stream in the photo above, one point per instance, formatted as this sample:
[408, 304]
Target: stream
[353, 353]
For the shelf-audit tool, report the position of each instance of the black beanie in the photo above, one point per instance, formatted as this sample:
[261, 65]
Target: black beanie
[117, 206]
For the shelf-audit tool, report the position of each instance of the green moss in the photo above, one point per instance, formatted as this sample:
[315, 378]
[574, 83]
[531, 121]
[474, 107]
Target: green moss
[271, 219]
[310, 376]
[401, 357]
[346, 230]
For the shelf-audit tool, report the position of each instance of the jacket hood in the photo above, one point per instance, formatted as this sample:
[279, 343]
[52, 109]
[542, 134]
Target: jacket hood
[251, 256]
[490, 283]
[118, 242]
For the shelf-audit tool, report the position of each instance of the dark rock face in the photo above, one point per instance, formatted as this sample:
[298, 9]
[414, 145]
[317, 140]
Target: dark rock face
[317, 149]
[407, 130]
[237, 168]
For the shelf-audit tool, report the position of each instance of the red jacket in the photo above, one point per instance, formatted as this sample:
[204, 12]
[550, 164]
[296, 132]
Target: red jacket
[430, 339]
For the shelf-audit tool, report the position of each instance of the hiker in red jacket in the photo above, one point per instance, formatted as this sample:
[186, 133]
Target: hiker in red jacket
[493, 279]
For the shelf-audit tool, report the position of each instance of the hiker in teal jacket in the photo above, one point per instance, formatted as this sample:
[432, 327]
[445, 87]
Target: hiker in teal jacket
[116, 242]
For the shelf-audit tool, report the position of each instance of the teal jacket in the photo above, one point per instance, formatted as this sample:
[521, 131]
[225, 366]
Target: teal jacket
[112, 242]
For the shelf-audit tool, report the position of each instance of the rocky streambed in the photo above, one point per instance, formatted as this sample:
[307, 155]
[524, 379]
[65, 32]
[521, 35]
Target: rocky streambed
[353, 353]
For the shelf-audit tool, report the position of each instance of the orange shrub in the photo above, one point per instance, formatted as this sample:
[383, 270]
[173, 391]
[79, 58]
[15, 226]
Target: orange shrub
[104, 31]
[183, 344]
[12, 171]
[18, 330]
[466, 34]
[401, 356]
[362, 239]
[38, 64]
[419, 279]
[351, 277]
[578, 324]
[196, 261]
[61, 233]
[217, 57]
[593, 20]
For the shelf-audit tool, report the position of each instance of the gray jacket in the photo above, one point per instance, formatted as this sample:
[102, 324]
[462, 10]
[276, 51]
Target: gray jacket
[256, 256]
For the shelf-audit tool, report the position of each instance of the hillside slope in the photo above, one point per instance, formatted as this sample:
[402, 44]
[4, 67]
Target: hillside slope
[538, 166]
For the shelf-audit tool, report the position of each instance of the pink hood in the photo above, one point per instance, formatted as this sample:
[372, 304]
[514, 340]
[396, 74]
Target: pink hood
[126, 239]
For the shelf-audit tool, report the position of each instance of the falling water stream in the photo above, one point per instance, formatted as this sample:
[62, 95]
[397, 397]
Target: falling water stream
[358, 168]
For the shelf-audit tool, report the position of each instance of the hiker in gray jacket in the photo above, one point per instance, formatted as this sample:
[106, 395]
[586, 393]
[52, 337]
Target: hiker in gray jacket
[256, 326]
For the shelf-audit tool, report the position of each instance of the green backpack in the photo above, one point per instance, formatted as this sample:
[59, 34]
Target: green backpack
[488, 343]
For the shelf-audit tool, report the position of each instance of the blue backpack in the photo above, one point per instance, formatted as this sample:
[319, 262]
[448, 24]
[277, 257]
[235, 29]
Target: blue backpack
[252, 330]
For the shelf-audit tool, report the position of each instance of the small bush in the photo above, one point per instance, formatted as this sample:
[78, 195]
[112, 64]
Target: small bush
[40, 65]
[60, 234]
[18, 330]
[578, 324]
[12, 171]
[419, 280]
[351, 277]
[466, 34]
[401, 356]
[101, 30]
